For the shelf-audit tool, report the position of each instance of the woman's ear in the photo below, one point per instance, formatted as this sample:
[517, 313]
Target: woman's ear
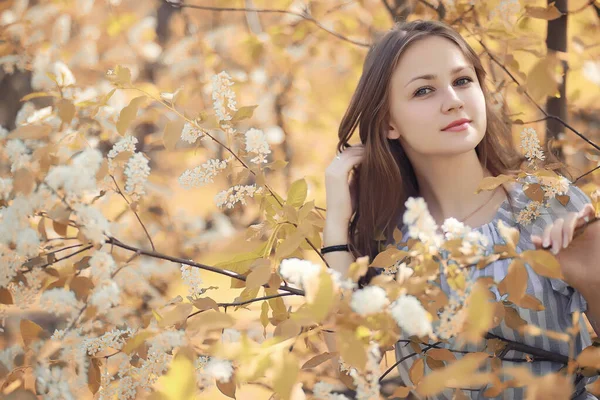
[393, 133]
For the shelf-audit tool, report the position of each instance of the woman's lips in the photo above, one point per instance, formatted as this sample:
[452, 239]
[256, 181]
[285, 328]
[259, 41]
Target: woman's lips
[458, 128]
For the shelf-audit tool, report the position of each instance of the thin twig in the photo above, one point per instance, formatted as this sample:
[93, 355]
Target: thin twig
[304, 16]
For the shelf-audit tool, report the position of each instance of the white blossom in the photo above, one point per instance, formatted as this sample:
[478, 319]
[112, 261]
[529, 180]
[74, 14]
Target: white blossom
[531, 144]
[52, 383]
[231, 335]
[126, 143]
[7, 356]
[92, 223]
[236, 193]
[192, 278]
[60, 301]
[28, 243]
[6, 186]
[298, 272]
[137, 171]
[223, 97]
[421, 224]
[18, 154]
[369, 300]
[219, 369]
[114, 339]
[190, 133]
[411, 316]
[105, 296]
[322, 391]
[102, 265]
[256, 142]
[203, 174]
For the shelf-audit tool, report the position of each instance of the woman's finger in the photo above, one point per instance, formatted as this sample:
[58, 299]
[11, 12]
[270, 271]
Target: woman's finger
[569, 228]
[556, 235]
[586, 213]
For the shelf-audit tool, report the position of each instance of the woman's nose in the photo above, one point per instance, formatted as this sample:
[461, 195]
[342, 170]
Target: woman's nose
[452, 100]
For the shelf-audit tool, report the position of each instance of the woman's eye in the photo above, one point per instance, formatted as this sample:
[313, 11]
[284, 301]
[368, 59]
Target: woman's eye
[419, 91]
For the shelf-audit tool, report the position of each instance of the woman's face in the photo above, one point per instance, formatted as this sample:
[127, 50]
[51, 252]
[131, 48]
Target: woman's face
[420, 108]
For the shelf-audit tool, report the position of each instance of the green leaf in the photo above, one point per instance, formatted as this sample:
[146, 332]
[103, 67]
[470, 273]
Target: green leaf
[297, 193]
[243, 113]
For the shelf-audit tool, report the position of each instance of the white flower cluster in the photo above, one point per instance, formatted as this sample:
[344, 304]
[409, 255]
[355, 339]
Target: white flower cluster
[554, 186]
[105, 296]
[256, 142]
[223, 97]
[25, 295]
[126, 143]
[369, 300]
[77, 178]
[102, 265]
[92, 222]
[530, 212]
[137, 171]
[411, 316]
[421, 224]
[7, 356]
[114, 339]
[299, 272]
[531, 144]
[322, 391]
[190, 133]
[234, 194]
[53, 383]
[219, 369]
[231, 335]
[368, 387]
[6, 186]
[473, 241]
[192, 278]
[60, 301]
[18, 154]
[202, 174]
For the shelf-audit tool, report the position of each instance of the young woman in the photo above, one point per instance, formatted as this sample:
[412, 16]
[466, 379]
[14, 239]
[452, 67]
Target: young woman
[428, 128]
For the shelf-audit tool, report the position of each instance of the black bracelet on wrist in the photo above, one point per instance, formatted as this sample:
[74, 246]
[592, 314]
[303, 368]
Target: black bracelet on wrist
[339, 247]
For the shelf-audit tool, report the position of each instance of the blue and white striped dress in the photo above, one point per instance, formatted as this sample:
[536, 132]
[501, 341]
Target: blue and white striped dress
[559, 299]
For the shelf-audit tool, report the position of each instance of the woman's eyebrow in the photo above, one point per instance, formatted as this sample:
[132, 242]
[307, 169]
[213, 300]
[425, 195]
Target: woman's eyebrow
[430, 76]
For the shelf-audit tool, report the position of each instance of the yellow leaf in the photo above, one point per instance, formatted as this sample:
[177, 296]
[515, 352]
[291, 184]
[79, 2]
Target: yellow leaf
[543, 263]
[401, 392]
[122, 75]
[289, 245]
[35, 95]
[209, 320]
[31, 132]
[351, 349]
[172, 133]
[318, 360]
[176, 315]
[227, 388]
[204, 303]
[535, 192]
[492, 182]
[136, 341]
[512, 318]
[441, 354]
[30, 331]
[548, 13]
[510, 235]
[480, 314]
[24, 181]
[286, 374]
[81, 285]
[264, 314]
[455, 373]
[417, 370]
[5, 296]
[94, 375]
[319, 306]
[180, 382]
[515, 281]
[542, 81]
[243, 113]
[128, 114]
[259, 275]
[297, 193]
[66, 110]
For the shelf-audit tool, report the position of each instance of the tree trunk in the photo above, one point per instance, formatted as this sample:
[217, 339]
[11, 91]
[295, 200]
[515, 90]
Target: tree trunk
[556, 40]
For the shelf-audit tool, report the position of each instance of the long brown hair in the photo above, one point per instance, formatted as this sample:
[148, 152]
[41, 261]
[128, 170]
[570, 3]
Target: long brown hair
[385, 179]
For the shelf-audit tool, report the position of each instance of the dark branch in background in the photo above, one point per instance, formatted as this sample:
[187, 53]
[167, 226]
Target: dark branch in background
[216, 270]
[305, 15]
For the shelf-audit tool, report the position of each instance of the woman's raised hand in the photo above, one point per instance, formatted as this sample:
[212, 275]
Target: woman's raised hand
[341, 194]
